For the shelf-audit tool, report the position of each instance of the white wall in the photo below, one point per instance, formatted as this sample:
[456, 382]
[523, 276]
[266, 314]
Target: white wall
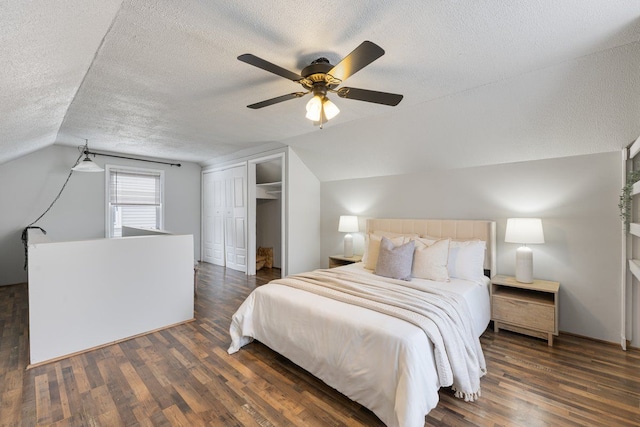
[303, 201]
[29, 184]
[269, 227]
[576, 197]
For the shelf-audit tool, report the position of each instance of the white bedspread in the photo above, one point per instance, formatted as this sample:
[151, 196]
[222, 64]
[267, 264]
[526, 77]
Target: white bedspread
[382, 362]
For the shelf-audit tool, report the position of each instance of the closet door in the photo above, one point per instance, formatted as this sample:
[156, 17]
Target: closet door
[218, 218]
[213, 224]
[235, 218]
[207, 212]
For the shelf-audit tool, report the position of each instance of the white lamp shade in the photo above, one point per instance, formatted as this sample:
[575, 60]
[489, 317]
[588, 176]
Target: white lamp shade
[348, 224]
[314, 109]
[330, 109]
[524, 230]
[86, 165]
[320, 109]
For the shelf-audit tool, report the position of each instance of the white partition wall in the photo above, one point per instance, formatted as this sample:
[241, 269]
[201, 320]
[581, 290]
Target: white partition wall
[86, 294]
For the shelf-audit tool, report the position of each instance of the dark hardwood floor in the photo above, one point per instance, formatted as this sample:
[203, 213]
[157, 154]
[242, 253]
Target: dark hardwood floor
[183, 376]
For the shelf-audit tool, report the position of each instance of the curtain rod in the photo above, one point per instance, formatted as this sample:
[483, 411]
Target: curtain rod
[87, 152]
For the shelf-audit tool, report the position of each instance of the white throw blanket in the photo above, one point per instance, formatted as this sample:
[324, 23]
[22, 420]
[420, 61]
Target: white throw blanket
[443, 316]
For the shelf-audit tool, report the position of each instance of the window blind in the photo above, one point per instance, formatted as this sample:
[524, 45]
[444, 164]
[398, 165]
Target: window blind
[135, 188]
[135, 199]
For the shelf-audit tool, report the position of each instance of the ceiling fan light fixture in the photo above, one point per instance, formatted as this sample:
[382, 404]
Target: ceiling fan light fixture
[321, 77]
[321, 109]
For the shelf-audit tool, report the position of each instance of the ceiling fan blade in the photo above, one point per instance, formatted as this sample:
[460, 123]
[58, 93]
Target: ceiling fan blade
[384, 98]
[276, 100]
[361, 56]
[268, 66]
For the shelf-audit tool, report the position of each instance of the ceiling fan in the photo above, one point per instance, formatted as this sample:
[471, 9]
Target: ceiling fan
[321, 77]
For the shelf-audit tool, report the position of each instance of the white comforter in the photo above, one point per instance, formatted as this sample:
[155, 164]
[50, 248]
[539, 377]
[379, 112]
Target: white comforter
[382, 362]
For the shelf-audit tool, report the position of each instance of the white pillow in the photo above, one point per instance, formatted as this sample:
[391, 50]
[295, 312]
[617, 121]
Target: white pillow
[466, 259]
[373, 249]
[379, 234]
[428, 240]
[430, 260]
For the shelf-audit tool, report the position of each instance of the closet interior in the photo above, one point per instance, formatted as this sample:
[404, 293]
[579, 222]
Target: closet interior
[268, 213]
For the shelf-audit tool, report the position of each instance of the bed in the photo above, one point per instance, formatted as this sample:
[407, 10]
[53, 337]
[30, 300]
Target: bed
[384, 356]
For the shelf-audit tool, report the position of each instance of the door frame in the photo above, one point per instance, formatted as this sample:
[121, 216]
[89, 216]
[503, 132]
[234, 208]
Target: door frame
[252, 209]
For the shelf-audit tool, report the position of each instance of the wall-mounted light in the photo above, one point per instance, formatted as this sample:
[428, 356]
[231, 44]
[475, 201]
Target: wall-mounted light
[86, 165]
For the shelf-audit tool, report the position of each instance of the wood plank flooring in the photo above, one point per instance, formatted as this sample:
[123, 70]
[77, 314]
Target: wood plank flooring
[183, 376]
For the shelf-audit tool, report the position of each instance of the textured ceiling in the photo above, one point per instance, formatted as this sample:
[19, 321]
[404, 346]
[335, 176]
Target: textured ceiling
[484, 82]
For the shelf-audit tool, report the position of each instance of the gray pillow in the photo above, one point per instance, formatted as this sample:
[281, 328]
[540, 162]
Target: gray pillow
[395, 261]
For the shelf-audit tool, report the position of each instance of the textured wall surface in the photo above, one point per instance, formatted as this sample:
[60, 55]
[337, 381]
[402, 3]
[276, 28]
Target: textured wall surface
[484, 82]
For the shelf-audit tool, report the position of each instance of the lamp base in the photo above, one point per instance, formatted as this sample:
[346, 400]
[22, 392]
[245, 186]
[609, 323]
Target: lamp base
[524, 265]
[348, 245]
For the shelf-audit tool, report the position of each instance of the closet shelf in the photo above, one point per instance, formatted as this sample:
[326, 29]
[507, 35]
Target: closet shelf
[277, 184]
[268, 190]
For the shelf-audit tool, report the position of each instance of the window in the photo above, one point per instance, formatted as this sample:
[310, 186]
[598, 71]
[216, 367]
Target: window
[134, 198]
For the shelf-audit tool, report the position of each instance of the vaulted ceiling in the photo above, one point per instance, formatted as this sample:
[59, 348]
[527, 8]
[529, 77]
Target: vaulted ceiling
[483, 82]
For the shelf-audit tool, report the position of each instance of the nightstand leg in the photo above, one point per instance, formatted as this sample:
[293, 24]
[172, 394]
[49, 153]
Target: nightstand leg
[496, 328]
[550, 340]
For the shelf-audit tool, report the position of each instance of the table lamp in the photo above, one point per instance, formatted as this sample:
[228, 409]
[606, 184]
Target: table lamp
[348, 224]
[525, 231]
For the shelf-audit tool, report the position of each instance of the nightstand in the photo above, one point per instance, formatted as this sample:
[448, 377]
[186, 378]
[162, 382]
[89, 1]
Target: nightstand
[526, 308]
[339, 260]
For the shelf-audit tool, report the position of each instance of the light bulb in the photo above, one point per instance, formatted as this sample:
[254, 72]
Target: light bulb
[330, 109]
[314, 109]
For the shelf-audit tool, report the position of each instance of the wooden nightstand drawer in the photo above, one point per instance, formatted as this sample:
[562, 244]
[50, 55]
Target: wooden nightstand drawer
[526, 308]
[540, 317]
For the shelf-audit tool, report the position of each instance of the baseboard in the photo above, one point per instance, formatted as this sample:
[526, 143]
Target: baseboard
[15, 284]
[571, 334]
[615, 344]
[66, 356]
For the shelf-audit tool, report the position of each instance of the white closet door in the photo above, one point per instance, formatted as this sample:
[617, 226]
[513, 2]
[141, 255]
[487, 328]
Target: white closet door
[218, 219]
[207, 211]
[235, 218]
[213, 218]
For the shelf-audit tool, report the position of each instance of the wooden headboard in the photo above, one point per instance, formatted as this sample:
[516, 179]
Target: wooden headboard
[443, 228]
